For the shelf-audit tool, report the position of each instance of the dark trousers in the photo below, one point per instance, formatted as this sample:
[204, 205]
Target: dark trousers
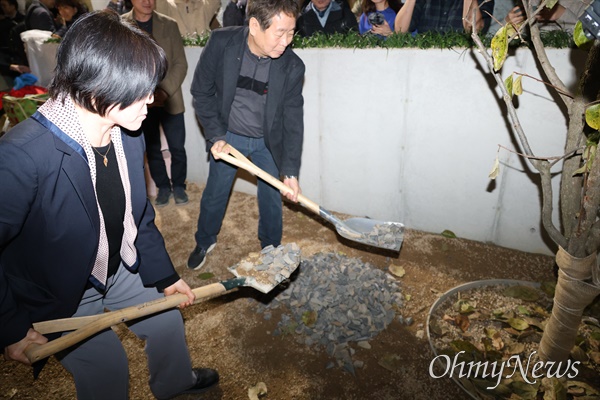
[218, 187]
[174, 128]
[99, 364]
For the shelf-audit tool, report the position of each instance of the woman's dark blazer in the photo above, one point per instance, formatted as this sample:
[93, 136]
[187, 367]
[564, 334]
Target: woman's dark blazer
[49, 225]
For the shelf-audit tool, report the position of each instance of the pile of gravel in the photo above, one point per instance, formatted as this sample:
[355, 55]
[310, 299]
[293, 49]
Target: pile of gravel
[335, 300]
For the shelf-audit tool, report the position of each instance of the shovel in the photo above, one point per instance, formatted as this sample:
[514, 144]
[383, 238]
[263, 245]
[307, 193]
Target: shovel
[386, 235]
[264, 280]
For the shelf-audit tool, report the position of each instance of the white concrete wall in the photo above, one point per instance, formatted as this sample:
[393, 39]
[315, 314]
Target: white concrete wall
[411, 135]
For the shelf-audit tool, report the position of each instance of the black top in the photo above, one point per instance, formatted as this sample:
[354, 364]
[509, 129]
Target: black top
[111, 197]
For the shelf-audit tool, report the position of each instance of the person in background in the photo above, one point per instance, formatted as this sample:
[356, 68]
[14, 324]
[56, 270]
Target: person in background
[40, 15]
[235, 13]
[444, 16]
[378, 17]
[119, 6]
[247, 91]
[77, 233]
[69, 11]
[167, 108]
[10, 8]
[9, 18]
[564, 15]
[326, 16]
[193, 17]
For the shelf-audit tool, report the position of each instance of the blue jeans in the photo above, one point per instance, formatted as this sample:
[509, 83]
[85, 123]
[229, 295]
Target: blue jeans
[218, 187]
[174, 127]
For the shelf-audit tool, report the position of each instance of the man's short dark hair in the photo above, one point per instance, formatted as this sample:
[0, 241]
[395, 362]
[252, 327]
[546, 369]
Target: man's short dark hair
[103, 62]
[265, 10]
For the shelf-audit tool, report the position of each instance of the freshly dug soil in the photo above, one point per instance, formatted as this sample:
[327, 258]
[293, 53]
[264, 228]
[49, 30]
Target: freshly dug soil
[227, 332]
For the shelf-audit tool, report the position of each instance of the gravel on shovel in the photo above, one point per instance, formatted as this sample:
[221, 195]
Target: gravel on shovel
[387, 236]
[270, 267]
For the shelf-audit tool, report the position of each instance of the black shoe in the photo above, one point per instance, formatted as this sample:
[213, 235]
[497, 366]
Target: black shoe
[162, 199]
[180, 196]
[205, 379]
[198, 257]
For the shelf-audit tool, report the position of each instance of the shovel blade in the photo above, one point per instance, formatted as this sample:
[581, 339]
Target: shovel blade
[383, 234]
[274, 266]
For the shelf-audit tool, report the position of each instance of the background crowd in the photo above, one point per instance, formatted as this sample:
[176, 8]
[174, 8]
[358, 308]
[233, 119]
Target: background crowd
[368, 17]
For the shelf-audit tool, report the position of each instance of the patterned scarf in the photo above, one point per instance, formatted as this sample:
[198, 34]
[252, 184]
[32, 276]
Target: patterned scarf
[65, 117]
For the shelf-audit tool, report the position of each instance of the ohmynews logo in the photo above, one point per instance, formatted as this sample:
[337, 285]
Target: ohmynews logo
[496, 370]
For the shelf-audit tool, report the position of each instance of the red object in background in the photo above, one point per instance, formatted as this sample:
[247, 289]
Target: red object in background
[25, 90]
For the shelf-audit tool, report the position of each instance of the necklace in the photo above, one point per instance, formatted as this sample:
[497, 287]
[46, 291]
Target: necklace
[104, 155]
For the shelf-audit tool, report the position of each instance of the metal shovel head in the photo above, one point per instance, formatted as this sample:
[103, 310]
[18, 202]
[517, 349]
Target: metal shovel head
[383, 234]
[267, 269]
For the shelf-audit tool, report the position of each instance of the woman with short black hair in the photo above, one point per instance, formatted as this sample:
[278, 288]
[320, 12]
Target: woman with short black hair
[77, 232]
[69, 11]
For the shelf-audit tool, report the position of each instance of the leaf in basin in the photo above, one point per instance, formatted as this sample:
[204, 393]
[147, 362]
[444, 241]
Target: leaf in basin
[522, 310]
[548, 287]
[525, 390]
[497, 341]
[435, 328]
[540, 311]
[540, 324]
[551, 3]
[501, 391]
[553, 389]
[463, 307]
[490, 332]
[463, 322]
[518, 324]
[588, 390]
[578, 354]
[522, 292]
[515, 348]
[463, 345]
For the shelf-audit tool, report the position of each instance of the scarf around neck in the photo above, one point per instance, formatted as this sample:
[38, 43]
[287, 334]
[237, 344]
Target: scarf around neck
[62, 113]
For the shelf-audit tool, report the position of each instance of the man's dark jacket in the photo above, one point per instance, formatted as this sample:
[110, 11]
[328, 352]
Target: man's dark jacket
[214, 85]
[340, 20]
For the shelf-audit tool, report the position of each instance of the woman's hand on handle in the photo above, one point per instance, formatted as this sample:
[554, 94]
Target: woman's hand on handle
[16, 351]
[180, 287]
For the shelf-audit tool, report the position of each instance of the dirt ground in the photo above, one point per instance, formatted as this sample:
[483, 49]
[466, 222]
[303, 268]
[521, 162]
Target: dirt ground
[227, 333]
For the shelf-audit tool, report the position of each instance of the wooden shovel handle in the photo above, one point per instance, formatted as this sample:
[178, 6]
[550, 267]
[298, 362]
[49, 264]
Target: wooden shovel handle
[239, 160]
[88, 326]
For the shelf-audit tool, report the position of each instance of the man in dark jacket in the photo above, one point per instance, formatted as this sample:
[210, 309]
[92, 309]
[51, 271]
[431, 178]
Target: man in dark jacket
[39, 15]
[247, 91]
[327, 16]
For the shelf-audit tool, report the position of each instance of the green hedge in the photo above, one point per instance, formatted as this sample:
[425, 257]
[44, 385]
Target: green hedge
[429, 40]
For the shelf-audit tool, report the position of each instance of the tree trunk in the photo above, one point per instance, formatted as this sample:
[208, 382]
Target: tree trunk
[579, 275]
[571, 297]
